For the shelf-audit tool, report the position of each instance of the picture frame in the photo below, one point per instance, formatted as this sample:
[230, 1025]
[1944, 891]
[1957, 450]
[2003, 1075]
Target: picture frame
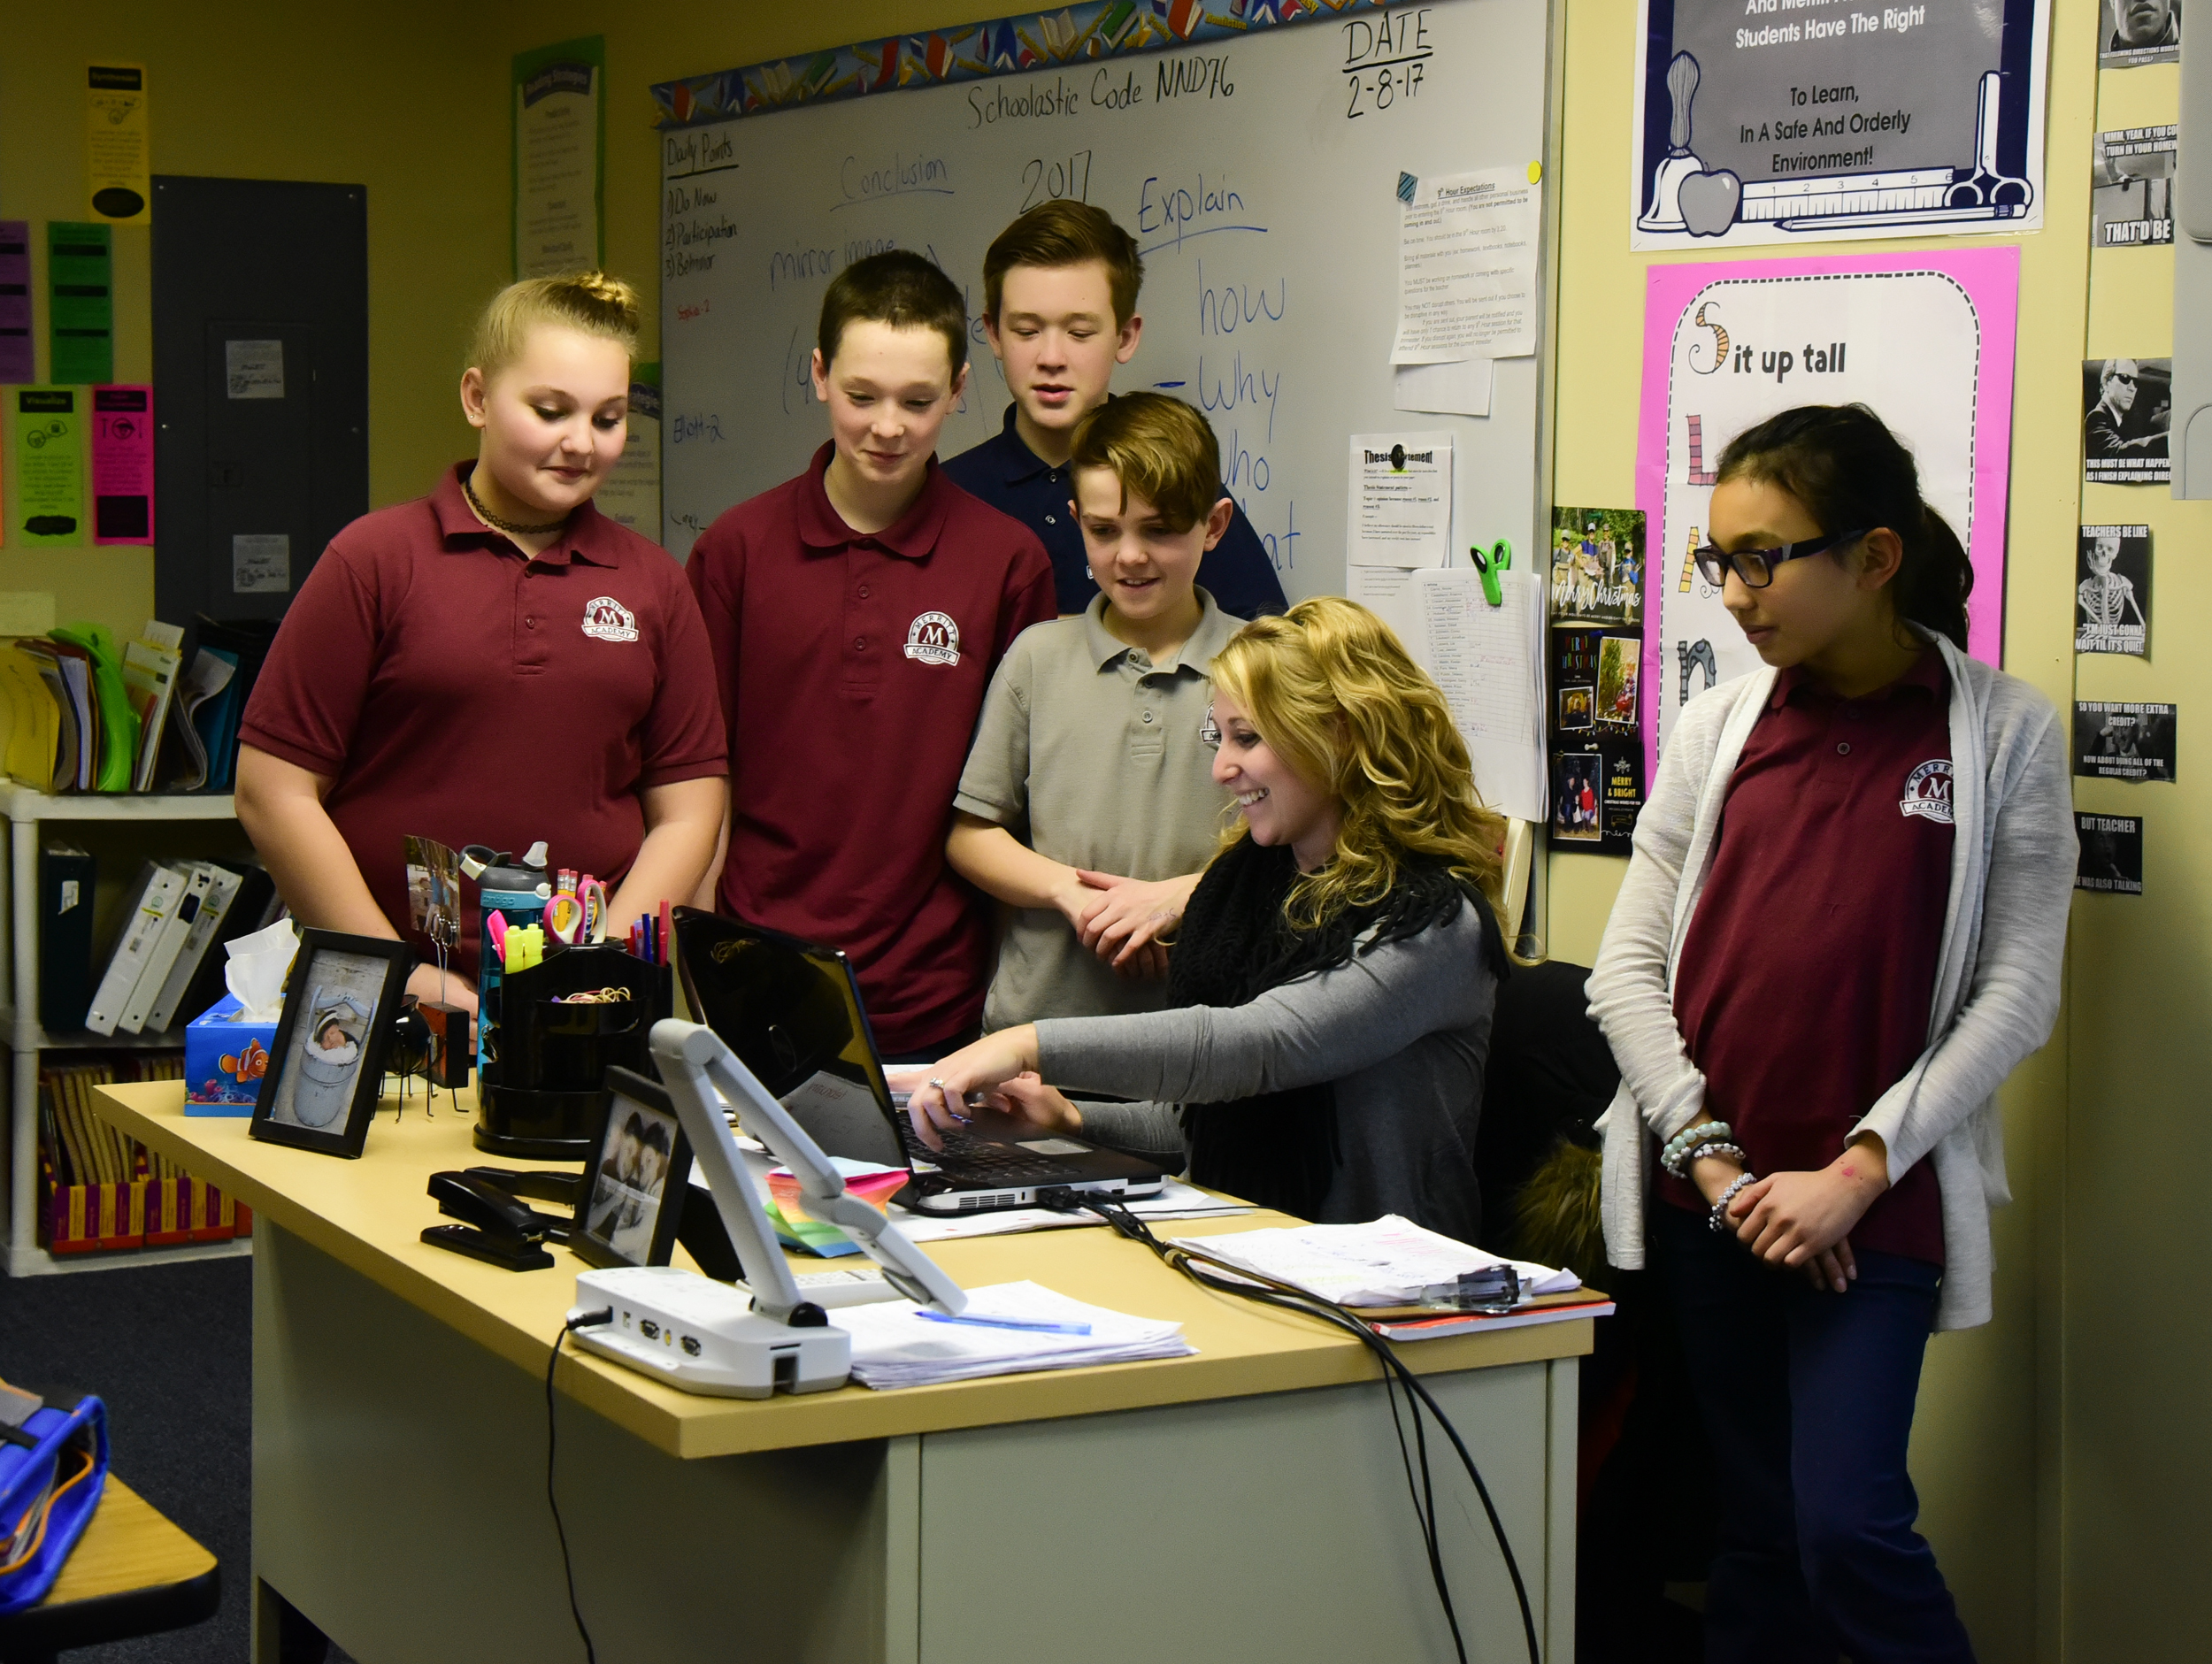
[326, 1074]
[630, 1201]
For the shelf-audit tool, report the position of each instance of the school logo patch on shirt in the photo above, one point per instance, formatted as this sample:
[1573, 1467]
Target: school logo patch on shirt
[1928, 791]
[607, 619]
[934, 638]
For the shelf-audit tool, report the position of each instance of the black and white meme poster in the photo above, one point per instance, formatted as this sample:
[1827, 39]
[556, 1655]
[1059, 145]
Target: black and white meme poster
[2111, 852]
[2132, 187]
[2114, 742]
[2126, 404]
[2112, 590]
[2131, 32]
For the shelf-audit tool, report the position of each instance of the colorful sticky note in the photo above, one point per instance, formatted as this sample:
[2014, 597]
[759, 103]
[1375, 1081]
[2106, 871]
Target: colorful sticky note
[17, 363]
[48, 463]
[80, 312]
[122, 464]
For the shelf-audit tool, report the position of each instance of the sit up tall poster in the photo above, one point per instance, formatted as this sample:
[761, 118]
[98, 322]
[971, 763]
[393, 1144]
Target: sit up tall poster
[1810, 121]
[1924, 340]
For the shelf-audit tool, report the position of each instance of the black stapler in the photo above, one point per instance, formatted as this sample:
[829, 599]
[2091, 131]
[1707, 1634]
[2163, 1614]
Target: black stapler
[496, 1228]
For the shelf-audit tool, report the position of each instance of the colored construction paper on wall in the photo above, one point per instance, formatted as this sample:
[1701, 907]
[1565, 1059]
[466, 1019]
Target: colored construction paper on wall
[46, 458]
[17, 360]
[122, 464]
[80, 308]
[118, 189]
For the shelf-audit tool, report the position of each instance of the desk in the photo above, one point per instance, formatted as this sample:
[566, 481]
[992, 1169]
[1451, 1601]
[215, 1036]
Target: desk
[1246, 1503]
[133, 1573]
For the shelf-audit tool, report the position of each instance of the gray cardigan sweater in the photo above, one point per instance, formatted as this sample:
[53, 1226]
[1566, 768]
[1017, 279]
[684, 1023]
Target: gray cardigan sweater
[1403, 1031]
[1997, 973]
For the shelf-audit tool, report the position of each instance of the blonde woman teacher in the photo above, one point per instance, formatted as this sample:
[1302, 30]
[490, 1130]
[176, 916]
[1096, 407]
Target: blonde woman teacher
[1331, 982]
[496, 663]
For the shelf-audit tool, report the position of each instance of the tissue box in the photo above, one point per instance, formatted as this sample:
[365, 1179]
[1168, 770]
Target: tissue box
[225, 1060]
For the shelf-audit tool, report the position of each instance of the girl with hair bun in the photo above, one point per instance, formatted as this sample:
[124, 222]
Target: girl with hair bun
[496, 663]
[1332, 981]
[1841, 928]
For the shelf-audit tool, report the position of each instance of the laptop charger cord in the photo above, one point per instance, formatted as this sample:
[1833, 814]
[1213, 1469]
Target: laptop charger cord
[576, 1321]
[1210, 1271]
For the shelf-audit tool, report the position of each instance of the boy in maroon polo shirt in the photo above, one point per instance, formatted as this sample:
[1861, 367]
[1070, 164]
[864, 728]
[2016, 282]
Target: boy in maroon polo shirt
[856, 614]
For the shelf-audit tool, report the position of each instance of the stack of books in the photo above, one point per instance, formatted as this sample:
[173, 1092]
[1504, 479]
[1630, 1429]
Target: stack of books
[153, 714]
[99, 1189]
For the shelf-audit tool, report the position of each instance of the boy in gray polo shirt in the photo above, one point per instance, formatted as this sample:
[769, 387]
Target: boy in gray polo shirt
[1088, 804]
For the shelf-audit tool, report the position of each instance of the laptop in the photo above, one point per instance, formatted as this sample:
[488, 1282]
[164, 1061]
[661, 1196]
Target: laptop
[793, 1011]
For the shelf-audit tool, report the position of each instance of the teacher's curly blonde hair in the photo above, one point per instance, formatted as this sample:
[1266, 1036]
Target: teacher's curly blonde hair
[1334, 692]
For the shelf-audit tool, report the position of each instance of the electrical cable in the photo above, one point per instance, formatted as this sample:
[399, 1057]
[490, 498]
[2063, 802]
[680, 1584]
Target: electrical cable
[1233, 1280]
[581, 1320]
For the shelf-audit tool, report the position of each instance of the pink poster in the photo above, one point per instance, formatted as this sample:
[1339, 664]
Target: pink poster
[1925, 340]
[122, 464]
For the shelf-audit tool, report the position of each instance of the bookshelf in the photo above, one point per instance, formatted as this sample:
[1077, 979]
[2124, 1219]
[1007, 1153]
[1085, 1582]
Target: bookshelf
[28, 812]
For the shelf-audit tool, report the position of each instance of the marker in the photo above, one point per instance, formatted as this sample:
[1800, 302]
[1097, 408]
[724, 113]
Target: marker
[1005, 1323]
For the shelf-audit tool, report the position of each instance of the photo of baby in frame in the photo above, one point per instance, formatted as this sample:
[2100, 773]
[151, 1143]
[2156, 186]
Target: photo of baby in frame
[326, 1069]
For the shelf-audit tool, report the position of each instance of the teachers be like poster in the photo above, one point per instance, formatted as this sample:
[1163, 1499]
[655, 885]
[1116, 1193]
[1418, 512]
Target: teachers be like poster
[1925, 340]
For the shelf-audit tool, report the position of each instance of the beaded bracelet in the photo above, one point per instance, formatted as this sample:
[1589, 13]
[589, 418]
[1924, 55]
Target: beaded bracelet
[1679, 1146]
[1715, 1147]
[1718, 1220]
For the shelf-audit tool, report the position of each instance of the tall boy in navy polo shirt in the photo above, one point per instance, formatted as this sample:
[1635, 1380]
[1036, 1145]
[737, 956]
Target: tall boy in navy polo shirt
[1060, 306]
[856, 613]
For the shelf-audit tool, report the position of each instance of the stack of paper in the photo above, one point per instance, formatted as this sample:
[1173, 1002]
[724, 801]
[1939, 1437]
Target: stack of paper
[1385, 1262]
[898, 1346]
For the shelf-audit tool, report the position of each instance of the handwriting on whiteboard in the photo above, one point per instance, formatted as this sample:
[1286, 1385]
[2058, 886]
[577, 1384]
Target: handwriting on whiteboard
[1386, 60]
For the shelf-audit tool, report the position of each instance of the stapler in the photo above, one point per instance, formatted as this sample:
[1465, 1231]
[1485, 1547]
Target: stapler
[543, 1184]
[496, 1228]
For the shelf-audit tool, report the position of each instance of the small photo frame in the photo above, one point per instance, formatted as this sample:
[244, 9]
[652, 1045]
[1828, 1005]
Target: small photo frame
[1576, 779]
[1576, 706]
[327, 1065]
[1619, 660]
[631, 1203]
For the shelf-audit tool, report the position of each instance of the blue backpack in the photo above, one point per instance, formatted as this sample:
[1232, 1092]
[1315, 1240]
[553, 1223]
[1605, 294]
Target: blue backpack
[52, 1470]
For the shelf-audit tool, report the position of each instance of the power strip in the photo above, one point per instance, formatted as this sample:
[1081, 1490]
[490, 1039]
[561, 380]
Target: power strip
[705, 1337]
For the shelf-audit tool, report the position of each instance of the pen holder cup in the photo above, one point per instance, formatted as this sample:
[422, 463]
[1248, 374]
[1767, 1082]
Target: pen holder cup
[540, 1097]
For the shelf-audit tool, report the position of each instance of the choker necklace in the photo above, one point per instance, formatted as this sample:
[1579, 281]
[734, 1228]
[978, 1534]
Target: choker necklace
[513, 528]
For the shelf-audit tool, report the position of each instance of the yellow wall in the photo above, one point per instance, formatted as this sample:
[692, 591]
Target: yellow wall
[407, 98]
[410, 99]
[2137, 1455]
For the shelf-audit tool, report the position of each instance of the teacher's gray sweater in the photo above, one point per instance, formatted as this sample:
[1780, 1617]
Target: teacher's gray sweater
[1404, 1032]
[1997, 976]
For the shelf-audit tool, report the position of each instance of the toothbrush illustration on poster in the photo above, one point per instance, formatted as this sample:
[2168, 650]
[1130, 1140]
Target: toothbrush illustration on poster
[1925, 340]
[1763, 121]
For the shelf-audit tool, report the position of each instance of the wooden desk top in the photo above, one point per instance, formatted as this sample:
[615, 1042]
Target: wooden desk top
[128, 1546]
[368, 1214]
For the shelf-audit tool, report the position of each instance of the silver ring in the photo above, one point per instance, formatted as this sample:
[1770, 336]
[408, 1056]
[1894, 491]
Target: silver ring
[937, 1082]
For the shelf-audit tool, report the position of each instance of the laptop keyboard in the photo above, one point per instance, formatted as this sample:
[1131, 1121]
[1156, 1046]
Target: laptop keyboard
[966, 1155]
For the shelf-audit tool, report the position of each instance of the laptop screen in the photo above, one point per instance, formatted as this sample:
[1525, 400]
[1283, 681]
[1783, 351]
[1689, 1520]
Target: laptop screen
[791, 1011]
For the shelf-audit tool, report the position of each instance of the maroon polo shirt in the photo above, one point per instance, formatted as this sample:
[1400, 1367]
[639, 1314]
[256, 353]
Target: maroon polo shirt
[1805, 984]
[853, 668]
[455, 689]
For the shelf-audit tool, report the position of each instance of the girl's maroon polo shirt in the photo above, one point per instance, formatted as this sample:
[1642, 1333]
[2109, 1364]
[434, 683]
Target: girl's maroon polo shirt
[1808, 976]
[453, 689]
[852, 669]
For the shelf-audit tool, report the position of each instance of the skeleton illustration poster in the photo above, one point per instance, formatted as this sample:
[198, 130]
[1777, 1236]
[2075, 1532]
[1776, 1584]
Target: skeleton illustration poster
[1810, 121]
[2112, 590]
[1925, 340]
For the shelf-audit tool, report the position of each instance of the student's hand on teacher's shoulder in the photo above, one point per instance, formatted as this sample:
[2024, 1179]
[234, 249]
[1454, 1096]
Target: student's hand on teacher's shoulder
[1128, 915]
[937, 1103]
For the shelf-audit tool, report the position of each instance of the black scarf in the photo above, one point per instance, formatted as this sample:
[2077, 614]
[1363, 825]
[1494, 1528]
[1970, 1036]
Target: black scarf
[1279, 1150]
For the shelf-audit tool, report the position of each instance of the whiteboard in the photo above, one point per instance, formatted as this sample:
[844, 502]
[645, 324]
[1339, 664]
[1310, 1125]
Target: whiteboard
[1259, 175]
